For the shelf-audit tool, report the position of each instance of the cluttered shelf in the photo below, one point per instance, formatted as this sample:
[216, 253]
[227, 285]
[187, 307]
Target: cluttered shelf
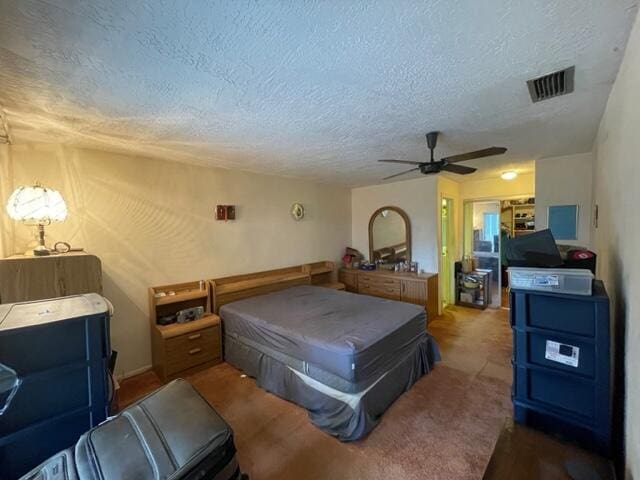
[185, 334]
[472, 289]
[183, 296]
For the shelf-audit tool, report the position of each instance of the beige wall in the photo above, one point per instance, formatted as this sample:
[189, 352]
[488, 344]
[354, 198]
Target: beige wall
[152, 222]
[417, 198]
[565, 180]
[617, 193]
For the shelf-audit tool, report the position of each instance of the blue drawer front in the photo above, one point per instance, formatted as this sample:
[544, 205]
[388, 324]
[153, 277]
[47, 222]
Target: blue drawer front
[64, 392]
[574, 401]
[558, 392]
[537, 349]
[568, 316]
[28, 448]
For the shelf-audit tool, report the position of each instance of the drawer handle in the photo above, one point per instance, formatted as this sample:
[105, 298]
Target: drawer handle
[195, 336]
[193, 351]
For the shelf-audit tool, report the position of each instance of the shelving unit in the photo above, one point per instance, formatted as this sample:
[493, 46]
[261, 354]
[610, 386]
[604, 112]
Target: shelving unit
[476, 297]
[515, 217]
[182, 348]
[322, 275]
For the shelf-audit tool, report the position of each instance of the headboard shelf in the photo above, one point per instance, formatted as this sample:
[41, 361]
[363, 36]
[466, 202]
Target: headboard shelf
[321, 272]
[238, 287]
[182, 297]
[258, 282]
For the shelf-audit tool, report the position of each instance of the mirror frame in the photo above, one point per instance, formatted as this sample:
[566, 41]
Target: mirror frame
[407, 226]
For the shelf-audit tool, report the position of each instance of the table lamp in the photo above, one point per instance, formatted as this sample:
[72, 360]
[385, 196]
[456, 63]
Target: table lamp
[37, 205]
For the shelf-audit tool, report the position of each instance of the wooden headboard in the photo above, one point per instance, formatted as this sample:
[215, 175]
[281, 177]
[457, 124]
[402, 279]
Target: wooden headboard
[229, 289]
[238, 287]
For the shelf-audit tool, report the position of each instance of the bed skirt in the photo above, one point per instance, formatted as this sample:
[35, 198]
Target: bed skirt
[347, 416]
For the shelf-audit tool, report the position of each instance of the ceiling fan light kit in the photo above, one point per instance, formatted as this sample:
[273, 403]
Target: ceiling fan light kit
[446, 164]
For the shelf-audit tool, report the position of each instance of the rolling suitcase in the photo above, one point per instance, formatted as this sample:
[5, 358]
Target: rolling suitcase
[172, 433]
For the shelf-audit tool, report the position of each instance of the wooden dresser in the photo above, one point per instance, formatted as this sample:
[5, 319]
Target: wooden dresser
[24, 278]
[421, 289]
[182, 348]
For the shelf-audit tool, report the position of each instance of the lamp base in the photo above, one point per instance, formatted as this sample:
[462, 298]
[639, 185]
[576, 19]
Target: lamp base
[41, 251]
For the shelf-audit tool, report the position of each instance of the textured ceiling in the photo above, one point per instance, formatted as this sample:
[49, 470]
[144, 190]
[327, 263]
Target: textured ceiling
[312, 89]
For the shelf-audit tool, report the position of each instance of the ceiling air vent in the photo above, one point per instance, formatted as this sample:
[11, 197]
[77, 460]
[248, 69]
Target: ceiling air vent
[551, 85]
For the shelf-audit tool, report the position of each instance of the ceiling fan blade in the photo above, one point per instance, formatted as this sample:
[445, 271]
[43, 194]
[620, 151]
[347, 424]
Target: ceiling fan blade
[400, 161]
[460, 169]
[487, 152]
[401, 173]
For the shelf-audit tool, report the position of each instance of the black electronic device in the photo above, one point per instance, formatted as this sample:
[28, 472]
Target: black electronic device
[189, 314]
[167, 320]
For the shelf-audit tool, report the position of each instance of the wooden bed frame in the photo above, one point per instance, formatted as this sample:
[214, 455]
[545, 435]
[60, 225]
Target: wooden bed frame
[238, 287]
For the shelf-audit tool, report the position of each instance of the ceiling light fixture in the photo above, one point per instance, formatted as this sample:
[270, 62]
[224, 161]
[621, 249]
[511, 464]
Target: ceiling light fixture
[509, 175]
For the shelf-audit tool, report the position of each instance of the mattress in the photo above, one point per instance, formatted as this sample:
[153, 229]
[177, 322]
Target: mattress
[338, 338]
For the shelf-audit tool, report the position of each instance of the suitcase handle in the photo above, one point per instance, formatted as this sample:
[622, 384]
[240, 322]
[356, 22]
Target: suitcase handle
[9, 384]
[195, 336]
[193, 351]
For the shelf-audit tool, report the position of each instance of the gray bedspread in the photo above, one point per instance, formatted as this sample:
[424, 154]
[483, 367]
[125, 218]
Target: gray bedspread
[297, 343]
[354, 337]
[348, 417]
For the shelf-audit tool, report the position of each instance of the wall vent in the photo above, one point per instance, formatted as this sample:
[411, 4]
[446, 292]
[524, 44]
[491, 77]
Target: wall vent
[551, 85]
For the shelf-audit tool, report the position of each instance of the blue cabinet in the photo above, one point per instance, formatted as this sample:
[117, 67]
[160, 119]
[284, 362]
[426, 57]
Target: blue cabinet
[562, 364]
[59, 349]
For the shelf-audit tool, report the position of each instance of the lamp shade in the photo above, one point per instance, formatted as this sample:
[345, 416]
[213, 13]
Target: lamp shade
[36, 204]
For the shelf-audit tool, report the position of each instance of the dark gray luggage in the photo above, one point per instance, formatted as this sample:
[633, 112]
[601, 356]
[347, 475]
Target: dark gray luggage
[172, 433]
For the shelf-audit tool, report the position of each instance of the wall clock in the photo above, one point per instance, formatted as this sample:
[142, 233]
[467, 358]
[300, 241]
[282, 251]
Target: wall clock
[297, 211]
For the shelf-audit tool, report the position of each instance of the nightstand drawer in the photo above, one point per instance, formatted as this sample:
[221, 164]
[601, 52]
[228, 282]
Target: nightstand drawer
[191, 349]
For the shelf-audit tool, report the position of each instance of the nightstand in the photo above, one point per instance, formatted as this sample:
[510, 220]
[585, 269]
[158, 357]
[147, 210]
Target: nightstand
[179, 349]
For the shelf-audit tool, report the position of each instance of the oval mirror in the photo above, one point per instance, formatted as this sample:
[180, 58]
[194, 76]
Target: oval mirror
[389, 236]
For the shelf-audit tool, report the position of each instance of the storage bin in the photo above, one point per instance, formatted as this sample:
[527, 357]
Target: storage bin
[572, 281]
[562, 364]
[59, 349]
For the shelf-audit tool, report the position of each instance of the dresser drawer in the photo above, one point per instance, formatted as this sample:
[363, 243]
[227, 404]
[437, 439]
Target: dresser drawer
[379, 286]
[191, 349]
[391, 292]
[381, 282]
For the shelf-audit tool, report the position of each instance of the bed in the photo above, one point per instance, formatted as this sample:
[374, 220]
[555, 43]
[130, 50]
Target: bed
[342, 356]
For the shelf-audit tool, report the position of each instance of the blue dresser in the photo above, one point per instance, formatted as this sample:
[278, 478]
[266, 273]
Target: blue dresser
[562, 364]
[59, 349]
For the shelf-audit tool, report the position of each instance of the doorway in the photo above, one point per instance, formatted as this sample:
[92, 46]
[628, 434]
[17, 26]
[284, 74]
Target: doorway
[481, 234]
[448, 246]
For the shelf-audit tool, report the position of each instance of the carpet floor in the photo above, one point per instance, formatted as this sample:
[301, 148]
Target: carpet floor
[445, 427]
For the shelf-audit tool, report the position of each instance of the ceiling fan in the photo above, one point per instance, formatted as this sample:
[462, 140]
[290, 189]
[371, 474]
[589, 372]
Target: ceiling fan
[445, 164]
